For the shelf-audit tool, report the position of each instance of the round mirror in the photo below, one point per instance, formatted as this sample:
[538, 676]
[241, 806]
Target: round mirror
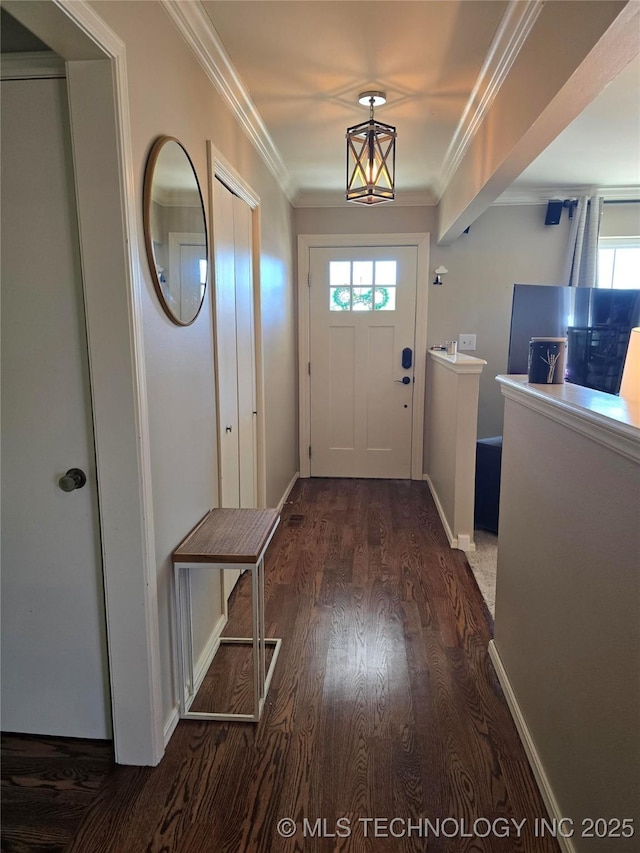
[175, 230]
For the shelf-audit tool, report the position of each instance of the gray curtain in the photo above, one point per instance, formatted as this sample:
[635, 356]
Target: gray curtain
[581, 267]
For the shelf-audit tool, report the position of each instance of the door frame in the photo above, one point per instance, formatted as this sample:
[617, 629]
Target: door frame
[95, 59]
[222, 169]
[306, 242]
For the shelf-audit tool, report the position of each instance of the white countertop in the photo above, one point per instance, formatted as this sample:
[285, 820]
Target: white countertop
[459, 363]
[612, 420]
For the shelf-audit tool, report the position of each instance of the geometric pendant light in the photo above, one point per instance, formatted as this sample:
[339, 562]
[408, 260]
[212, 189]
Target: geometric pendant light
[371, 156]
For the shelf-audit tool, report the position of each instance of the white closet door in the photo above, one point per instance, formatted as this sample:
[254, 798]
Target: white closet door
[235, 351]
[226, 345]
[245, 346]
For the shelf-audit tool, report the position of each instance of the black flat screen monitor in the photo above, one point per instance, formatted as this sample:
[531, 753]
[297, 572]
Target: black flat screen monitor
[596, 322]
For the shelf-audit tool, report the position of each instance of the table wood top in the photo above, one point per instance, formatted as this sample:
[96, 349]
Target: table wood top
[228, 536]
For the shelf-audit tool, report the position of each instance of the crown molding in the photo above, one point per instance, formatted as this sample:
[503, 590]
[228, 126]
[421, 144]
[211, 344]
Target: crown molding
[30, 65]
[335, 198]
[515, 26]
[541, 195]
[198, 31]
[224, 171]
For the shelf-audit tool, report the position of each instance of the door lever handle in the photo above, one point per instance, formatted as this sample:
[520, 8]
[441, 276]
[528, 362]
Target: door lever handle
[73, 479]
[405, 380]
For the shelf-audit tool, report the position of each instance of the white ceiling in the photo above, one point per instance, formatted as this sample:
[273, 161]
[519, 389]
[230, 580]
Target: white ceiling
[296, 67]
[601, 147]
[303, 64]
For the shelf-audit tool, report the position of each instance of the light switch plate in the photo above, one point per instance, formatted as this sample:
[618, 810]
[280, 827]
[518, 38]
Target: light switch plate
[467, 343]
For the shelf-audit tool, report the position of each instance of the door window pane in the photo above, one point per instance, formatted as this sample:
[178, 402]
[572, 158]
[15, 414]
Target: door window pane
[385, 299]
[352, 288]
[385, 272]
[339, 298]
[362, 298]
[339, 273]
[363, 272]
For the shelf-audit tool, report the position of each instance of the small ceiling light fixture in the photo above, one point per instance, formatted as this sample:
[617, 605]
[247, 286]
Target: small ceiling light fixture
[371, 156]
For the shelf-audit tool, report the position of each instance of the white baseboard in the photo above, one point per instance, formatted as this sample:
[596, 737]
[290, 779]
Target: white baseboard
[199, 672]
[565, 844]
[287, 491]
[171, 723]
[462, 542]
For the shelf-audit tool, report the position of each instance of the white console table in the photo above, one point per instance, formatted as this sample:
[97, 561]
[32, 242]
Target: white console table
[226, 539]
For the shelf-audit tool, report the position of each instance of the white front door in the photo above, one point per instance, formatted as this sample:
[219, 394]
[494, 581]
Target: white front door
[54, 651]
[362, 307]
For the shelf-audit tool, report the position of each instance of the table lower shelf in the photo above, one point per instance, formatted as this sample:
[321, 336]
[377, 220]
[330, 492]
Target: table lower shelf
[274, 642]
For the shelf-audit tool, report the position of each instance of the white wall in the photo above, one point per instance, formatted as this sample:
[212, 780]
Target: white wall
[450, 454]
[505, 246]
[170, 94]
[620, 220]
[567, 627]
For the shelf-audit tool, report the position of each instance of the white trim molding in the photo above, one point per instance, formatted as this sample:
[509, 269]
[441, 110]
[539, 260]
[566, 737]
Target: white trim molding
[109, 252]
[40, 64]
[288, 491]
[541, 195]
[463, 541]
[513, 30]
[318, 241]
[566, 844]
[221, 168]
[609, 420]
[198, 31]
[150, 697]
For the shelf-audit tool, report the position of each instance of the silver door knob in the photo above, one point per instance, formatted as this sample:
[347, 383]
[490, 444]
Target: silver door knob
[73, 479]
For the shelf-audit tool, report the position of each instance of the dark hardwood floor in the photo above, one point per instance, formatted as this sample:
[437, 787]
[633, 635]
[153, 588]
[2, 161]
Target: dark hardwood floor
[47, 786]
[384, 704]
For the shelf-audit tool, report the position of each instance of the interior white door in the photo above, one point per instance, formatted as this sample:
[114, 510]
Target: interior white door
[54, 651]
[362, 317]
[246, 359]
[226, 346]
[235, 348]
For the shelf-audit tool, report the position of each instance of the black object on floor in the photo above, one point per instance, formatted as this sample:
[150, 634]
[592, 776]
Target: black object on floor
[487, 491]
